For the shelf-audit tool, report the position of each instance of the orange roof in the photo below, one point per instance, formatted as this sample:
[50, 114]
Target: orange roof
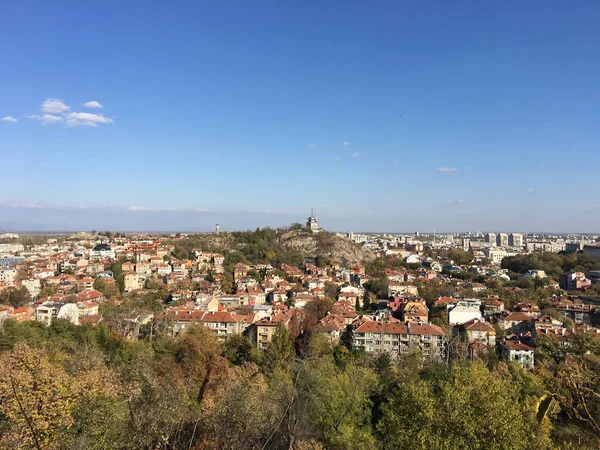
[516, 345]
[517, 317]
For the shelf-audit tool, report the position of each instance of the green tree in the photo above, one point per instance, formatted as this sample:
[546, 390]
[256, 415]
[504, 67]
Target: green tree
[473, 408]
[280, 350]
[239, 350]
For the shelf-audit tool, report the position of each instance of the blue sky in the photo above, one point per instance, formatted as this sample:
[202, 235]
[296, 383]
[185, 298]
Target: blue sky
[380, 115]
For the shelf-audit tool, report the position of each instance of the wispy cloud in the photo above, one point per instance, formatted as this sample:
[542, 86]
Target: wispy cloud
[54, 106]
[346, 143]
[337, 158]
[146, 208]
[355, 155]
[531, 190]
[396, 162]
[9, 119]
[46, 118]
[311, 145]
[446, 169]
[451, 202]
[28, 205]
[85, 119]
[92, 104]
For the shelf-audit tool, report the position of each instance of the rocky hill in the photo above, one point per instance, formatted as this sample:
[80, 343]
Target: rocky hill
[325, 244]
[269, 245]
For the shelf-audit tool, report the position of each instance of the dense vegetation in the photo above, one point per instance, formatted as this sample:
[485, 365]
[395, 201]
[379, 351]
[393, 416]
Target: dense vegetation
[75, 387]
[554, 264]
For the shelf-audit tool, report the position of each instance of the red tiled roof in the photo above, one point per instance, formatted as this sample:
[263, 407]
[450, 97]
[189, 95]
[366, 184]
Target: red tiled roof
[517, 317]
[516, 345]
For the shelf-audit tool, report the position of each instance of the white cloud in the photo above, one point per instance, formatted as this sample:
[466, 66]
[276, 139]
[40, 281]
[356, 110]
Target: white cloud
[29, 205]
[54, 106]
[85, 119]
[531, 190]
[9, 119]
[355, 155]
[396, 162]
[146, 208]
[447, 169]
[346, 143]
[46, 118]
[92, 104]
[311, 145]
[50, 118]
[337, 158]
[449, 201]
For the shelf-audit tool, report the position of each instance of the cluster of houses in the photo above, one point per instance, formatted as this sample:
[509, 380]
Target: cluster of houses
[263, 297]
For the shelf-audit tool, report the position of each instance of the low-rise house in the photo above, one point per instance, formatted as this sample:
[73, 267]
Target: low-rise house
[447, 302]
[479, 331]
[264, 329]
[516, 322]
[278, 296]
[88, 308]
[530, 309]
[352, 298]
[233, 300]
[143, 267]
[8, 274]
[33, 285]
[48, 311]
[22, 314]
[207, 303]
[402, 289]
[344, 309]
[332, 325]
[578, 312]
[465, 311]
[85, 283]
[515, 351]
[414, 311]
[128, 266]
[224, 323]
[492, 306]
[134, 281]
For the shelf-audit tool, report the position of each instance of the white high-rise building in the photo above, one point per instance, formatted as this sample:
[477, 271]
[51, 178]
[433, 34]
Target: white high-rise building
[516, 240]
[466, 244]
[490, 238]
[217, 229]
[502, 240]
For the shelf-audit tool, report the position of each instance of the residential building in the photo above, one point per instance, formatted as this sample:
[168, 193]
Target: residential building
[48, 311]
[134, 281]
[465, 311]
[102, 252]
[8, 274]
[592, 250]
[502, 240]
[264, 329]
[515, 351]
[515, 240]
[480, 331]
[400, 338]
